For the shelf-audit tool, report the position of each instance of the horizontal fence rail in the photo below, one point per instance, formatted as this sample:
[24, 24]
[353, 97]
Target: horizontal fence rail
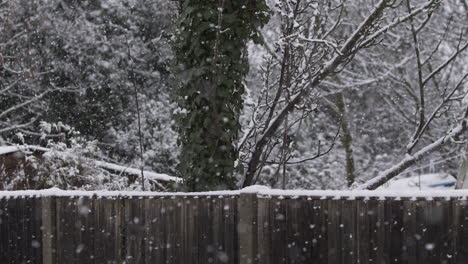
[253, 226]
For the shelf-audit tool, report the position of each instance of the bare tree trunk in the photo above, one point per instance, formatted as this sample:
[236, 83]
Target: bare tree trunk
[462, 178]
[346, 139]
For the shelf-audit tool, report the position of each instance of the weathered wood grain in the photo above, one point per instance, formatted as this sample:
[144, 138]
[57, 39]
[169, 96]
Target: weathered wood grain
[232, 229]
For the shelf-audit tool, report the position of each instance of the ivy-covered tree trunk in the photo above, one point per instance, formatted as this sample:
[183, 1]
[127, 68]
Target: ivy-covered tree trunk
[210, 49]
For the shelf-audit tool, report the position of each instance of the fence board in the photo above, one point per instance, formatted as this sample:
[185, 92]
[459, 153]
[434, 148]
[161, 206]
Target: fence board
[14, 230]
[292, 220]
[394, 214]
[67, 230]
[362, 232]
[23, 254]
[279, 238]
[324, 212]
[4, 253]
[349, 222]
[32, 222]
[85, 248]
[410, 235]
[264, 231]
[134, 220]
[193, 228]
[205, 229]
[461, 214]
[153, 221]
[334, 241]
[107, 231]
[171, 229]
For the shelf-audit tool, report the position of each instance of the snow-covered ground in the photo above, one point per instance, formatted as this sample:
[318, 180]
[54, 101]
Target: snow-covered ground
[440, 181]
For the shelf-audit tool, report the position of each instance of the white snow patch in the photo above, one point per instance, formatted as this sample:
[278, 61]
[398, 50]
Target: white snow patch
[255, 189]
[8, 149]
[133, 171]
[261, 192]
[423, 182]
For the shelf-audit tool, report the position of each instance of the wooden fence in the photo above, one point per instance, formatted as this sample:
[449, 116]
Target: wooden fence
[233, 228]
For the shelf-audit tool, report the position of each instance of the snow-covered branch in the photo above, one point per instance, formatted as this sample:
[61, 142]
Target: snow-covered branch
[409, 160]
[348, 50]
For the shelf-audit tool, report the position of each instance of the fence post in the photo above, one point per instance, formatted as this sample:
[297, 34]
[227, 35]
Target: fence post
[247, 227]
[49, 225]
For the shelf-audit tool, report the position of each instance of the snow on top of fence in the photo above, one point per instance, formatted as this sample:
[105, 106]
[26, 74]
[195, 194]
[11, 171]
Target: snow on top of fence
[56, 192]
[259, 190]
[359, 194]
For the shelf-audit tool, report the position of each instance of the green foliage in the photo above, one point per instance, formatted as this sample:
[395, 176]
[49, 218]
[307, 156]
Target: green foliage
[210, 51]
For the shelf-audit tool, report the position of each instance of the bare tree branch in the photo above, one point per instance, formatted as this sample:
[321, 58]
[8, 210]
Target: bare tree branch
[409, 160]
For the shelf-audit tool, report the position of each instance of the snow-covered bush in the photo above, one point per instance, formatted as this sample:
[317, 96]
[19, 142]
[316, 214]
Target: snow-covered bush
[75, 167]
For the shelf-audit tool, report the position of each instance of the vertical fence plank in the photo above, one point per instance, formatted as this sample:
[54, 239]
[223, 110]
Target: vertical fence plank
[382, 229]
[247, 227]
[409, 236]
[205, 249]
[422, 209]
[4, 230]
[264, 231]
[217, 236]
[150, 234]
[334, 241]
[85, 247]
[23, 235]
[324, 214]
[394, 216]
[363, 230]
[12, 230]
[161, 240]
[376, 229]
[134, 232]
[349, 231]
[171, 232]
[294, 247]
[231, 226]
[461, 215]
[34, 224]
[194, 228]
[101, 243]
[65, 230]
[30, 242]
[447, 254]
[436, 233]
[317, 213]
[107, 237]
[304, 232]
[278, 219]
[226, 230]
[36, 227]
[49, 232]
[179, 231]
[187, 219]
